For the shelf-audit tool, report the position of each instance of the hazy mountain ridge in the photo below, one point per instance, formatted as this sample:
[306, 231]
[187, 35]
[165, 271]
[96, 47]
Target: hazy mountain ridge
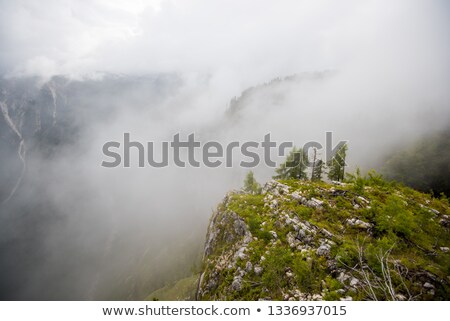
[50, 113]
[271, 93]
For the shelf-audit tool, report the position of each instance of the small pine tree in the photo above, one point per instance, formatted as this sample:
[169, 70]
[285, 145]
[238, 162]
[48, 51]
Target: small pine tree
[294, 166]
[317, 171]
[317, 167]
[358, 180]
[251, 185]
[337, 165]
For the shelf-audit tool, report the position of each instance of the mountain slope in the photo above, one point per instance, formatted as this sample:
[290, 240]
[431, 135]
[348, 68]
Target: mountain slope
[423, 165]
[302, 240]
[56, 231]
[181, 290]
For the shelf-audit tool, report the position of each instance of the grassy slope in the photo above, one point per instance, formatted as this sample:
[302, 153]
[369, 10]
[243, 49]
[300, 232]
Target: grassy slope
[403, 221]
[183, 289]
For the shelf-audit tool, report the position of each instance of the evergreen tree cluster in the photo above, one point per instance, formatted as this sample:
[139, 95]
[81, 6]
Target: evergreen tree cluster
[297, 162]
[337, 165]
[295, 167]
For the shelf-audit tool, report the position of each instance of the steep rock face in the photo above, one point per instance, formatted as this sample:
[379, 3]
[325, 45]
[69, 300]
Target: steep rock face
[28, 113]
[228, 230]
[301, 240]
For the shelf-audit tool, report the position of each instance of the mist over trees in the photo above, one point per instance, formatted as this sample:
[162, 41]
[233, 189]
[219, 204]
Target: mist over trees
[250, 184]
[337, 165]
[317, 167]
[294, 166]
[423, 165]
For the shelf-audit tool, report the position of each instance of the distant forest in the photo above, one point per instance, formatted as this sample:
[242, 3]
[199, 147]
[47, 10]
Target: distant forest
[424, 165]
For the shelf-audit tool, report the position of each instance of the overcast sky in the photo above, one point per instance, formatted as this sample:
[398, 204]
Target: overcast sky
[251, 41]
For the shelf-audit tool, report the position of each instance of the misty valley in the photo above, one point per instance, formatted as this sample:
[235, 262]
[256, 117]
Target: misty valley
[72, 229]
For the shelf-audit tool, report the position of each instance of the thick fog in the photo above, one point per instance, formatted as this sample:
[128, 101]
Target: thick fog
[375, 73]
